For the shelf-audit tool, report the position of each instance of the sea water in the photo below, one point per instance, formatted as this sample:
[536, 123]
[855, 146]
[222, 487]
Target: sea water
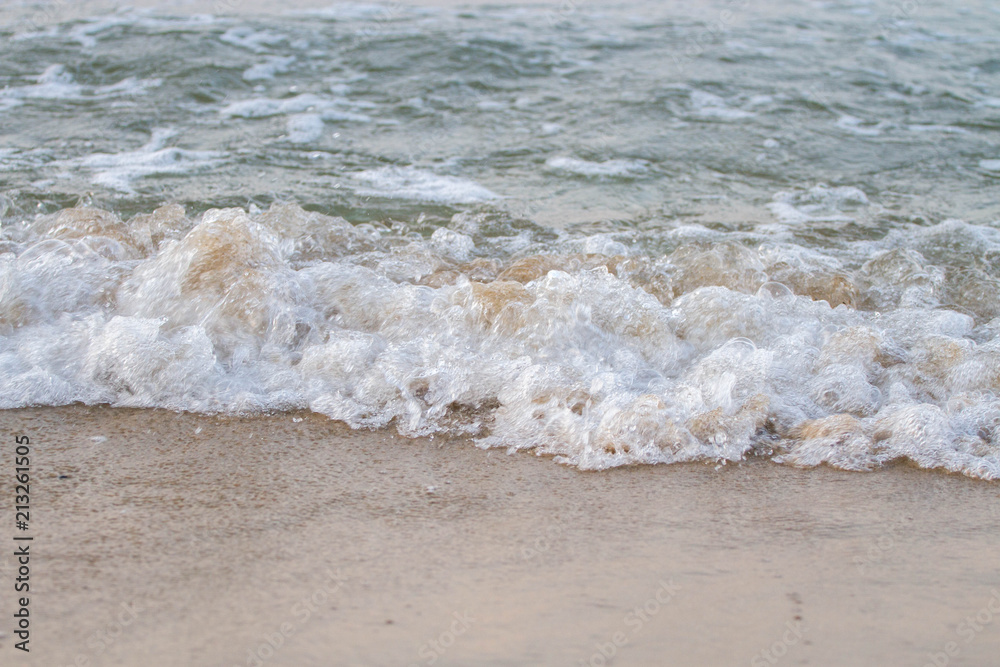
[611, 233]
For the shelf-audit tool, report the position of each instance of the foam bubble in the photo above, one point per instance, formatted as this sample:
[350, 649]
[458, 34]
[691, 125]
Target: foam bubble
[606, 169]
[269, 68]
[155, 158]
[716, 351]
[706, 106]
[818, 204]
[257, 41]
[85, 33]
[328, 109]
[861, 127]
[56, 83]
[413, 183]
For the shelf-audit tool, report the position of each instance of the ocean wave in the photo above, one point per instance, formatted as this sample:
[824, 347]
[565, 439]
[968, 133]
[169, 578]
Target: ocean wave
[713, 351]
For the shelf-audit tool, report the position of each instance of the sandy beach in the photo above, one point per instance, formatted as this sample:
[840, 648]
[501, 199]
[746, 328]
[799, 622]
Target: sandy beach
[661, 277]
[176, 539]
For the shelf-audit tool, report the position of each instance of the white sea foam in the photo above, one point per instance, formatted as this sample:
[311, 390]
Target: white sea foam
[269, 68]
[265, 107]
[332, 110]
[371, 16]
[86, 33]
[413, 183]
[714, 352]
[118, 170]
[55, 83]
[606, 169]
[856, 125]
[819, 204]
[706, 106]
[258, 41]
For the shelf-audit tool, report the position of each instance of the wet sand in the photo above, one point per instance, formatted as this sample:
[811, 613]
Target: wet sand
[174, 539]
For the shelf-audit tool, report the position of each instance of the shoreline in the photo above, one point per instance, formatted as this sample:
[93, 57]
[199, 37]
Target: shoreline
[295, 540]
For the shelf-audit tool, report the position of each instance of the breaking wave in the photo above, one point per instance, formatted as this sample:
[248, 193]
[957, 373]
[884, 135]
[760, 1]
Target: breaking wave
[601, 350]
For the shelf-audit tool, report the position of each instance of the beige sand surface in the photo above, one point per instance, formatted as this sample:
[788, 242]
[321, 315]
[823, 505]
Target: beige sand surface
[218, 533]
